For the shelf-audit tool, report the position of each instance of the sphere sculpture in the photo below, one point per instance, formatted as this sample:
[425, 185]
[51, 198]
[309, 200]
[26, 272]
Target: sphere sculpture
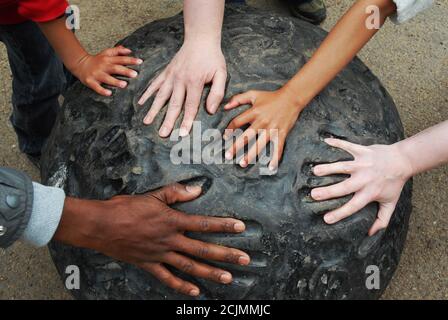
[100, 148]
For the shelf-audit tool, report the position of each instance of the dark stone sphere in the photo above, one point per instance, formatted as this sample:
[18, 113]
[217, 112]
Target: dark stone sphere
[100, 148]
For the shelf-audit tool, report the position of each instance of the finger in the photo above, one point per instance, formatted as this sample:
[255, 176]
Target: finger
[383, 218]
[125, 61]
[111, 81]
[197, 269]
[166, 277]
[123, 50]
[359, 201]
[239, 121]
[122, 71]
[256, 149]
[177, 192]
[159, 102]
[240, 99]
[96, 86]
[204, 224]
[240, 142]
[192, 102]
[342, 167]
[338, 190]
[351, 148]
[174, 109]
[213, 252]
[279, 145]
[153, 87]
[118, 50]
[217, 91]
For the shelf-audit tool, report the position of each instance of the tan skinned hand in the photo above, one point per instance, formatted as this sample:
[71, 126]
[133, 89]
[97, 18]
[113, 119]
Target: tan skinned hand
[96, 70]
[271, 117]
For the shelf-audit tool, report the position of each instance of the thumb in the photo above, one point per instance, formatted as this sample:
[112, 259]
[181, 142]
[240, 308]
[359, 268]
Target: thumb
[240, 99]
[118, 51]
[382, 221]
[217, 91]
[177, 193]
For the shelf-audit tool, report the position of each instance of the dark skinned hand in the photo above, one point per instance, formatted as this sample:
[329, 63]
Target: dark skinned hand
[144, 231]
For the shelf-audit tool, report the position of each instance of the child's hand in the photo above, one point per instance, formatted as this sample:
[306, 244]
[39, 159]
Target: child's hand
[95, 70]
[378, 173]
[272, 116]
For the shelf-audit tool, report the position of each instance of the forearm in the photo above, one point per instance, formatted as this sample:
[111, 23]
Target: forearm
[341, 45]
[64, 42]
[427, 149]
[203, 20]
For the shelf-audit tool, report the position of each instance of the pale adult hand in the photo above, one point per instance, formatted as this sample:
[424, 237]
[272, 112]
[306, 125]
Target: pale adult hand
[377, 174]
[182, 82]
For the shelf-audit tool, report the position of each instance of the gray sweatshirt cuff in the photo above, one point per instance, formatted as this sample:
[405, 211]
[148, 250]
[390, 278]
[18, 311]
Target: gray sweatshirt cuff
[48, 205]
[407, 9]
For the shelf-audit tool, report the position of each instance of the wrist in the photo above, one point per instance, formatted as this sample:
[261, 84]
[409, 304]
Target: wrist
[80, 222]
[403, 158]
[200, 40]
[76, 64]
[294, 97]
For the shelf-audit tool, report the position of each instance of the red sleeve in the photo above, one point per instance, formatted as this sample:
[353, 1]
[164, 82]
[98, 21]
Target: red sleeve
[42, 10]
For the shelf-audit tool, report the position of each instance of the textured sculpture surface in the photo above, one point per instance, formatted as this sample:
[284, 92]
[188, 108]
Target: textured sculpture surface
[100, 148]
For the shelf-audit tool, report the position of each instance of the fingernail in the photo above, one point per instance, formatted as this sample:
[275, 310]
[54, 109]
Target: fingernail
[164, 131]
[183, 132]
[315, 194]
[329, 218]
[123, 84]
[225, 278]
[315, 170]
[134, 74]
[225, 136]
[108, 93]
[139, 61]
[272, 168]
[243, 163]
[243, 260]
[239, 227]
[147, 120]
[213, 108]
[193, 189]
[194, 292]
[228, 155]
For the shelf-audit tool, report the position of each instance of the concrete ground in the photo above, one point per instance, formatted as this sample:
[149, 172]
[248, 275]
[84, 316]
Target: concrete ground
[412, 62]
